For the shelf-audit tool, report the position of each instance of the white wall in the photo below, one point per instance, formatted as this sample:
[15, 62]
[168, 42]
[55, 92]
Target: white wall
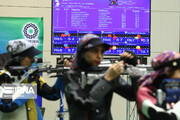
[165, 35]
[165, 26]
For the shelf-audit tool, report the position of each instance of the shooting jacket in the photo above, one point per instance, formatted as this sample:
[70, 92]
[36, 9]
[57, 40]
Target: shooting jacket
[143, 94]
[149, 109]
[27, 109]
[94, 101]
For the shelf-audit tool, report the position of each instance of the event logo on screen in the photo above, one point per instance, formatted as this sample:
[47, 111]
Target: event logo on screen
[113, 2]
[57, 4]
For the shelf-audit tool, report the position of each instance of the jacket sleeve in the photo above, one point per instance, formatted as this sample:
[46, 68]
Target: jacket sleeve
[51, 93]
[74, 93]
[147, 105]
[124, 89]
[11, 106]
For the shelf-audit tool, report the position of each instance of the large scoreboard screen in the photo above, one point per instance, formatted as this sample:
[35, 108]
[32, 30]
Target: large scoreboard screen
[124, 24]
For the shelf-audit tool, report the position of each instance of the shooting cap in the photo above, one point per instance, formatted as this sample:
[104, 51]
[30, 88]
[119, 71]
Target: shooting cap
[89, 41]
[170, 59]
[21, 47]
[162, 64]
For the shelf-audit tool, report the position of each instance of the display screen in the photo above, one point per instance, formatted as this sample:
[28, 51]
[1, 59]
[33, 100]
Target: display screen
[124, 24]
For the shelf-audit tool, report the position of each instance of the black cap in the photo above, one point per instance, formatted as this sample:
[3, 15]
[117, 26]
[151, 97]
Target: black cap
[96, 42]
[89, 41]
[29, 52]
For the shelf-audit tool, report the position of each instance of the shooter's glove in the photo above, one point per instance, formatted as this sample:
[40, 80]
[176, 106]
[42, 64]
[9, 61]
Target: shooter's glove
[154, 112]
[129, 57]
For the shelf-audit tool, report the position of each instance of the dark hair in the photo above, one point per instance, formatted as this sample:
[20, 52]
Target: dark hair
[11, 62]
[170, 74]
[158, 80]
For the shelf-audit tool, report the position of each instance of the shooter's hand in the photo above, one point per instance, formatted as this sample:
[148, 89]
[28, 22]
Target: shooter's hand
[34, 77]
[42, 81]
[66, 62]
[10, 107]
[114, 71]
[129, 57]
